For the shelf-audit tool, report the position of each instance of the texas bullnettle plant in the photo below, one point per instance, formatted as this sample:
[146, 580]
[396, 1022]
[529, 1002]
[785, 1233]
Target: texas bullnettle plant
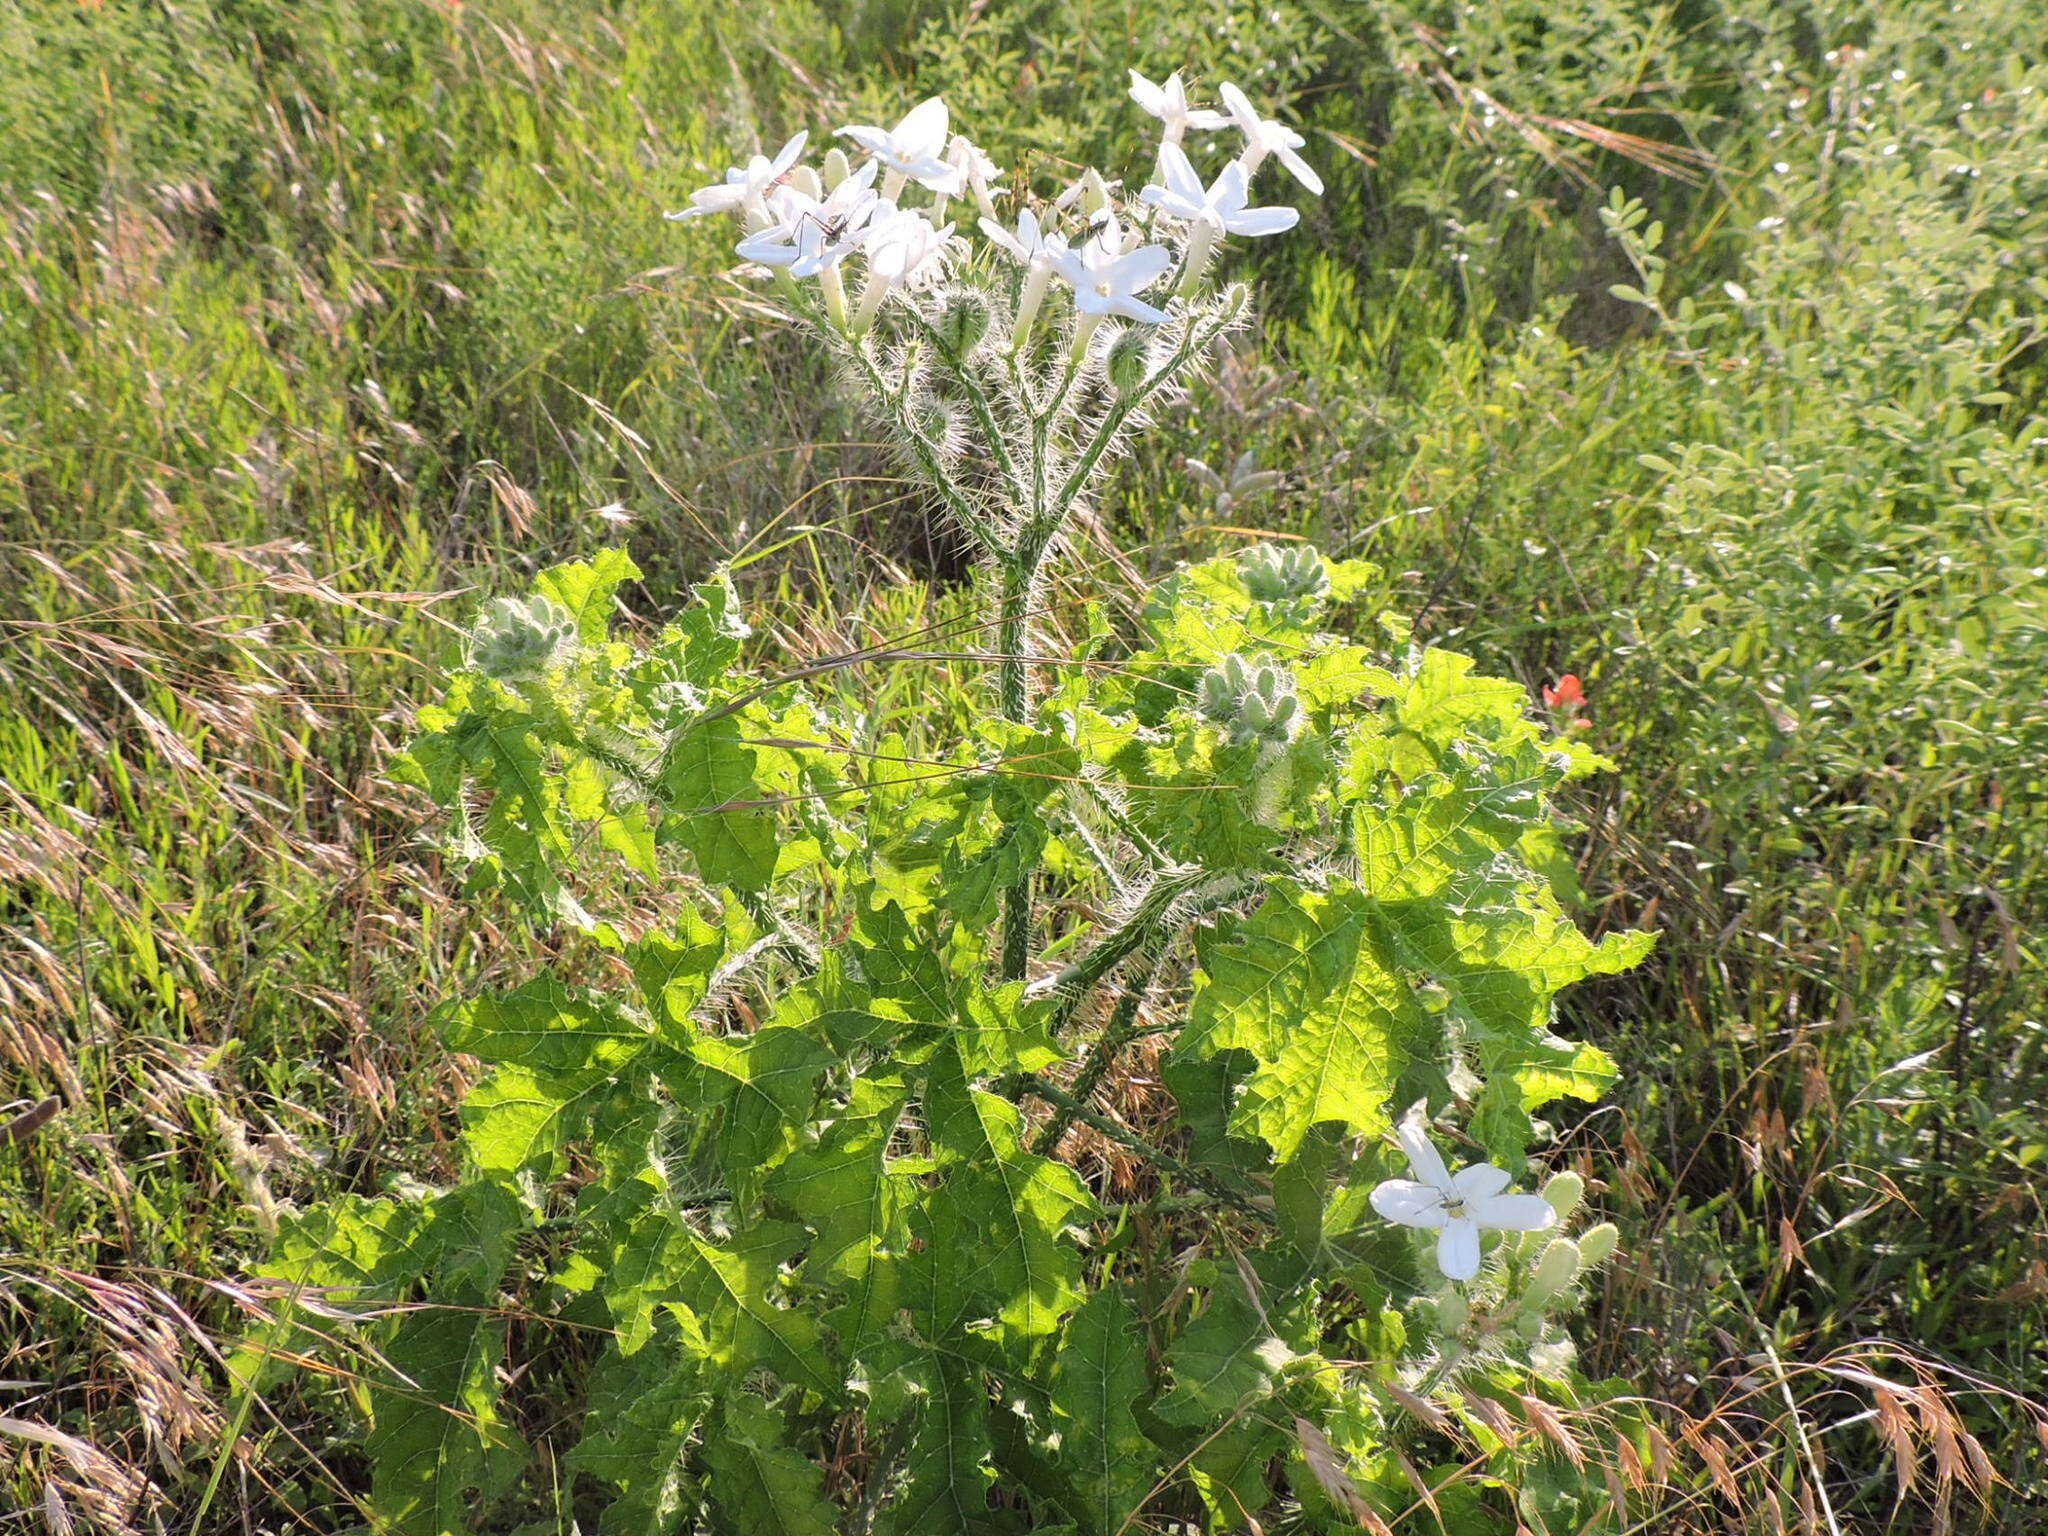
[1043, 1119]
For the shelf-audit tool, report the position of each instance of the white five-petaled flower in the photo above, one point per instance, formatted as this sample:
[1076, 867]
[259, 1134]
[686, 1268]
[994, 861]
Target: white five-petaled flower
[744, 185]
[902, 245]
[1265, 136]
[1458, 1206]
[915, 149]
[1168, 101]
[1221, 206]
[810, 234]
[1107, 279]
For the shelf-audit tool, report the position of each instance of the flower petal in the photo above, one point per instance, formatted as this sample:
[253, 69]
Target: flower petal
[1513, 1213]
[1423, 1156]
[1003, 238]
[1149, 97]
[1409, 1203]
[1239, 106]
[1135, 271]
[1481, 1181]
[1174, 207]
[1254, 222]
[923, 130]
[1231, 191]
[1181, 179]
[1299, 167]
[1136, 309]
[786, 156]
[1457, 1250]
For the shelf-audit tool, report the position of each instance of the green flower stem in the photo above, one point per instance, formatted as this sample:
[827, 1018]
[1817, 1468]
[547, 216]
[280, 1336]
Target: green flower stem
[896, 402]
[1128, 829]
[1085, 835]
[787, 937]
[1192, 339]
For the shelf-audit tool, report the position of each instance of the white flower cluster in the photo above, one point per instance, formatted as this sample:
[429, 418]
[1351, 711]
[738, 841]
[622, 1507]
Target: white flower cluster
[807, 222]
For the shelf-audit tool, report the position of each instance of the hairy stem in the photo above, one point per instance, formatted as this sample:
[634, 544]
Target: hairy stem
[1192, 339]
[1164, 1162]
[1121, 1029]
[977, 399]
[1013, 690]
[1146, 926]
[896, 404]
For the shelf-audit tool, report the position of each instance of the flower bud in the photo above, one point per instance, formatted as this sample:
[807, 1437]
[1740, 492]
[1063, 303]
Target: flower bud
[805, 180]
[1278, 573]
[837, 167]
[1129, 360]
[1251, 702]
[1091, 193]
[1558, 1268]
[1564, 1191]
[963, 323]
[1597, 1244]
[515, 639]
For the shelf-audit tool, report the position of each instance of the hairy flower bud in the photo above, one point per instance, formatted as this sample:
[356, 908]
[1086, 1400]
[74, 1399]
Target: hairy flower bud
[1558, 1268]
[1453, 1312]
[517, 638]
[1277, 573]
[1564, 1191]
[963, 322]
[1129, 360]
[1597, 1244]
[837, 167]
[1251, 701]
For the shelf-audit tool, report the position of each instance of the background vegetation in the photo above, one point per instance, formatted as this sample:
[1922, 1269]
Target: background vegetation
[316, 316]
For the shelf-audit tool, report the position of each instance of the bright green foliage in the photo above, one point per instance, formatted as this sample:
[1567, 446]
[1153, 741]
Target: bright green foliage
[786, 1157]
[1311, 994]
[1100, 1379]
[1817, 648]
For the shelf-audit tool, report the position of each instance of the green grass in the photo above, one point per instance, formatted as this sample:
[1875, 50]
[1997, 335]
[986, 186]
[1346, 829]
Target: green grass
[310, 314]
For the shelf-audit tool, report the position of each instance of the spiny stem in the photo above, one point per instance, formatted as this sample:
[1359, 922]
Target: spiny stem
[1146, 924]
[975, 526]
[977, 399]
[1013, 687]
[1121, 1029]
[1160, 1159]
[1112, 423]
